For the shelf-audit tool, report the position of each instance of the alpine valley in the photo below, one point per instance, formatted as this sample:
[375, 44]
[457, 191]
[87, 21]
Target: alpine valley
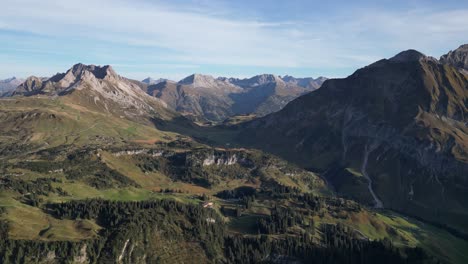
[372, 168]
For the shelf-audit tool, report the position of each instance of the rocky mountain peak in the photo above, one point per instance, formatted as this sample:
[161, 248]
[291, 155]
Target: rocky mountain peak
[31, 84]
[408, 55]
[457, 58]
[98, 87]
[200, 81]
[256, 81]
[148, 80]
[266, 78]
[100, 72]
[288, 78]
[195, 77]
[321, 79]
[151, 81]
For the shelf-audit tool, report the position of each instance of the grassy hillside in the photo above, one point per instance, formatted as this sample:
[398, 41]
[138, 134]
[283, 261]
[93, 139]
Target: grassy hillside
[51, 122]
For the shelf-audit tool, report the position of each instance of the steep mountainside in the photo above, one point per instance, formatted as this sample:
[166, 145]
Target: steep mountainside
[203, 97]
[393, 134]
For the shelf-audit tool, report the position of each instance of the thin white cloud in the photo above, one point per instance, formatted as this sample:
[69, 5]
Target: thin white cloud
[156, 65]
[201, 36]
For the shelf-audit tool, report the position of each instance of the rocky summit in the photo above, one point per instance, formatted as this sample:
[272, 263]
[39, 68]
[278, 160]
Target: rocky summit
[457, 58]
[95, 87]
[205, 98]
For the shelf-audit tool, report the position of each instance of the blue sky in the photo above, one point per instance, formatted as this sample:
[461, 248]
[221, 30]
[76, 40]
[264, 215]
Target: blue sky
[172, 39]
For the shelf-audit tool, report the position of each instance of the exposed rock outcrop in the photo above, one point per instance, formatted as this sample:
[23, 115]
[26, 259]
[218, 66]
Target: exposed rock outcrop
[457, 58]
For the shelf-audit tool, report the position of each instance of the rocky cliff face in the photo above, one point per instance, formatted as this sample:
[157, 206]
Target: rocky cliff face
[29, 86]
[400, 123]
[457, 58]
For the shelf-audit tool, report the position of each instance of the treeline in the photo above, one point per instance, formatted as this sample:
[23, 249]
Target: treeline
[33, 251]
[237, 193]
[112, 213]
[40, 186]
[84, 167]
[177, 166]
[188, 166]
[276, 190]
[266, 249]
[134, 225]
[178, 220]
[280, 220]
[136, 222]
[31, 190]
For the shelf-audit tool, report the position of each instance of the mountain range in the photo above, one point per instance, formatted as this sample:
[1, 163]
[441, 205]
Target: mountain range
[205, 98]
[371, 168]
[198, 97]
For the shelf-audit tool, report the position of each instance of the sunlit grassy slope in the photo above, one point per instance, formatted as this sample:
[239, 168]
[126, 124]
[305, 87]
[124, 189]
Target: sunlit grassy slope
[48, 122]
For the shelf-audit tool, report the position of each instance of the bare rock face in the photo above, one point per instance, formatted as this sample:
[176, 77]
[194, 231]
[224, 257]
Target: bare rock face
[209, 82]
[30, 85]
[220, 160]
[74, 78]
[457, 58]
